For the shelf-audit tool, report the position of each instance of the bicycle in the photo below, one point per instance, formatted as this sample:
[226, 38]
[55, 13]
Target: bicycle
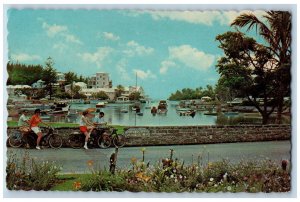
[98, 138]
[51, 138]
[118, 140]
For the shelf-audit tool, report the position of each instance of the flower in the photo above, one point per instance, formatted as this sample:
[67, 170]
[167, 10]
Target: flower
[77, 185]
[211, 179]
[90, 162]
[133, 160]
[210, 165]
[143, 149]
[229, 188]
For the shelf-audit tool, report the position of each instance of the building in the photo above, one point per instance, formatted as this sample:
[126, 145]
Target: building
[110, 92]
[139, 89]
[100, 80]
[39, 84]
[60, 77]
[12, 91]
[82, 86]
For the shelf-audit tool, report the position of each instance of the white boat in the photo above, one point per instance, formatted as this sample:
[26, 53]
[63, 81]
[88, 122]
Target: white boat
[183, 109]
[59, 108]
[100, 105]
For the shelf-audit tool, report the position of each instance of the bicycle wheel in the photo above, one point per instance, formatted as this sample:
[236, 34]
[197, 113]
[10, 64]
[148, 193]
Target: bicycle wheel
[76, 141]
[119, 140]
[15, 139]
[55, 141]
[104, 141]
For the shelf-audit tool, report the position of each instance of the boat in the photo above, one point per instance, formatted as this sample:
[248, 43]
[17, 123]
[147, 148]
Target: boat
[183, 109]
[59, 109]
[100, 105]
[211, 113]
[162, 111]
[87, 102]
[124, 110]
[72, 112]
[139, 113]
[122, 99]
[231, 113]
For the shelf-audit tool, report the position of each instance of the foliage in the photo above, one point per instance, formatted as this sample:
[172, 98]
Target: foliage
[26, 174]
[101, 95]
[119, 90]
[71, 77]
[259, 69]
[173, 176]
[189, 94]
[18, 73]
[135, 96]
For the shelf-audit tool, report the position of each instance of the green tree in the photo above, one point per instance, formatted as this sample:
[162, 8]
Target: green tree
[70, 77]
[21, 74]
[101, 95]
[277, 34]
[49, 75]
[247, 68]
[135, 96]
[119, 90]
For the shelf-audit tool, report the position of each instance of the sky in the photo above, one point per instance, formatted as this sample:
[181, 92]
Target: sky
[167, 50]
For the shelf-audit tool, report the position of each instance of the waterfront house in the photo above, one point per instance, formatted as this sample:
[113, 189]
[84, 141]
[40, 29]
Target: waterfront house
[39, 84]
[99, 80]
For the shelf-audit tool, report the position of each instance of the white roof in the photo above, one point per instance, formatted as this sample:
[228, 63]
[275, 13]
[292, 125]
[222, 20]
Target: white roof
[18, 86]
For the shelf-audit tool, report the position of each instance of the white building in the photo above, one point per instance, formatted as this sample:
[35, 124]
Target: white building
[100, 80]
[39, 84]
[139, 89]
[82, 86]
[11, 90]
[60, 77]
[110, 92]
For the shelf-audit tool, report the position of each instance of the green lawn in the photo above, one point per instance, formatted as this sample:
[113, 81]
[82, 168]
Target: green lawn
[68, 180]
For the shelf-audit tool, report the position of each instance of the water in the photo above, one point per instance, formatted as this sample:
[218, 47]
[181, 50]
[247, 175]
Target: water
[113, 115]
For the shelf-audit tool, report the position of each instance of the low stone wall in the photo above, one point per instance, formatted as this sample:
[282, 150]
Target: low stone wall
[180, 135]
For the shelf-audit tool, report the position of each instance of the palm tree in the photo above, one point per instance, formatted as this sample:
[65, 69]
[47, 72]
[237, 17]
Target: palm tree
[119, 90]
[276, 31]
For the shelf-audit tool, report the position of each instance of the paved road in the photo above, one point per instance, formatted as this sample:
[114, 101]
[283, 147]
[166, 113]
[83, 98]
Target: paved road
[75, 160]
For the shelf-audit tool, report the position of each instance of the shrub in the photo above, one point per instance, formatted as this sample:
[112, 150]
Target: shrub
[27, 174]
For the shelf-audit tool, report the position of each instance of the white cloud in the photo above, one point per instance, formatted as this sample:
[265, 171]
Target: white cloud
[190, 57]
[97, 57]
[23, 57]
[165, 65]
[133, 48]
[122, 70]
[62, 31]
[52, 30]
[144, 74]
[196, 17]
[110, 36]
[60, 47]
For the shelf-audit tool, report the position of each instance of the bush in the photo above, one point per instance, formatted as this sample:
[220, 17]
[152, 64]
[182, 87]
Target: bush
[26, 174]
[252, 176]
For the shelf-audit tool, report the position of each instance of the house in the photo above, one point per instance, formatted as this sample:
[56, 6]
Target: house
[82, 85]
[139, 89]
[39, 84]
[110, 92]
[60, 77]
[99, 80]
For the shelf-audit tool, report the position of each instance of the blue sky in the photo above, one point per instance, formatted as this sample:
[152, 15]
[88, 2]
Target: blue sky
[169, 50]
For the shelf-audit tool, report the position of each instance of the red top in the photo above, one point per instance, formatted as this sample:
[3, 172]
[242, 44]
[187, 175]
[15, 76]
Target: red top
[34, 121]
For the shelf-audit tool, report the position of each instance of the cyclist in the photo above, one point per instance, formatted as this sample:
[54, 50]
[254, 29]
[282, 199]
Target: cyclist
[86, 127]
[99, 120]
[23, 122]
[34, 126]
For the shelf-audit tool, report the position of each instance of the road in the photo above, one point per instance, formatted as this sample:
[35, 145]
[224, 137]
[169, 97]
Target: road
[75, 160]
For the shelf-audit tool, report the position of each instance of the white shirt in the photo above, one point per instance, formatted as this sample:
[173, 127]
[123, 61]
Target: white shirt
[22, 120]
[84, 121]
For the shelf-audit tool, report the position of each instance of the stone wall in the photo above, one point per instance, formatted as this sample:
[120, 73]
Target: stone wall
[179, 135]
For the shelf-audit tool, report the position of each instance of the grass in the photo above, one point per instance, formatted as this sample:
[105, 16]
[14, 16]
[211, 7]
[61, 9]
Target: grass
[68, 180]
[120, 129]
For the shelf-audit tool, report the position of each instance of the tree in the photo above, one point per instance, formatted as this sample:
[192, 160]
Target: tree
[277, 34]
[49, 75]
[248, 68]
[101, 95]
[21, 74]
[119, 90]
[70, 77]
[135, 96]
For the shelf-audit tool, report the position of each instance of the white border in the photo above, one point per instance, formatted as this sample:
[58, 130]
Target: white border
[156, 4]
